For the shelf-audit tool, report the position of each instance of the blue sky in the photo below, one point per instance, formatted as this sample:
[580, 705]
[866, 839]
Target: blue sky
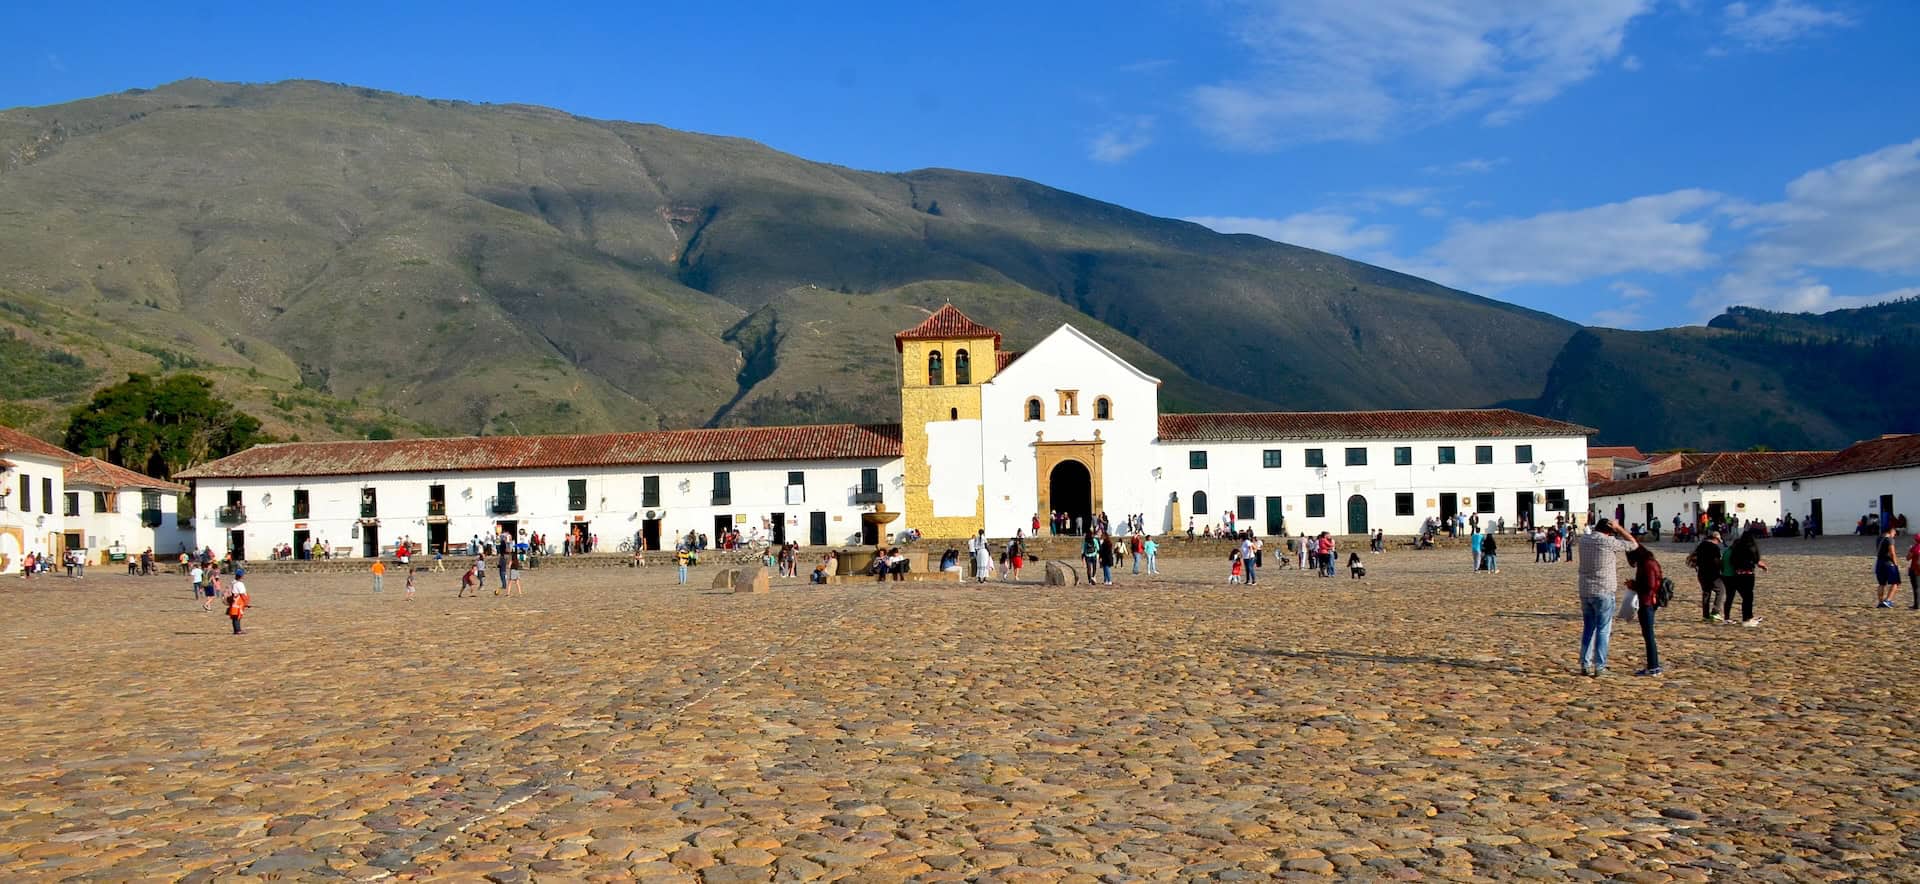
[1622, 162]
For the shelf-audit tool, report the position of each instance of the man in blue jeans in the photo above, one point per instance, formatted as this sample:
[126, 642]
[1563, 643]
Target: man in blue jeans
[1599, 591]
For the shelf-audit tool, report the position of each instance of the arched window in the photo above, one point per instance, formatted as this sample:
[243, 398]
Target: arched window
[962, 368]
[1033, 409]
[934, 375]
[1199, 503]
[1102, 409]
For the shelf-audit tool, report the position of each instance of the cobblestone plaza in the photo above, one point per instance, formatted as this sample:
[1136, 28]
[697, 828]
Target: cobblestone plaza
[1424, 723]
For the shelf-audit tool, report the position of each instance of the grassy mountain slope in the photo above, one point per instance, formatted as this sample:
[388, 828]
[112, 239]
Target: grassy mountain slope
[1750, 377]
[464, 268]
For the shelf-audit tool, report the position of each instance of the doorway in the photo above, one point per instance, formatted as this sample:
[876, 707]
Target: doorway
[650, 533]
[370, 541]
[1647, 520]
[1276, 519]
[869, 533]
[1523, 508]
[779, 529]
[237, 544]
[1816, 517]
[300, 541]
[437, 537]
[817, 529]
[1716, 510]
[1070, 491]
[1357, 515]
[71, 541]
[1886, 511]
[721, 525]
[1449, 507]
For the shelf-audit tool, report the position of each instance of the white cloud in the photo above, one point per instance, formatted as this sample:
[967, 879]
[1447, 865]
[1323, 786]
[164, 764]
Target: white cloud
[1122, 140]
[1859, 214]
[1471, 166]
[1779, 22]
[1326, 231]
[1336, 70]
[1665, 233]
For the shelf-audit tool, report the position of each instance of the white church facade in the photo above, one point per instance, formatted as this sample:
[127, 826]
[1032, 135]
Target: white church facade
[988, 440]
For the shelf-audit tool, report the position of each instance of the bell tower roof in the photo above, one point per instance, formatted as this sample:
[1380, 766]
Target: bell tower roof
[946, 324]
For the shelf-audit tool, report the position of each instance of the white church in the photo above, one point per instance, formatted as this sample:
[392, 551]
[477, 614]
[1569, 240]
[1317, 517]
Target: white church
[988, 440]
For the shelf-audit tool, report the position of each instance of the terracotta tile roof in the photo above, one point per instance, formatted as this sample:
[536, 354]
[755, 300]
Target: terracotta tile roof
[1626, 451]
[1723, 468]
[1006, 358]
[946, 323]
[727, 445]
[1890, 452]
[14, 440]
[94, 471]
[1453, 423]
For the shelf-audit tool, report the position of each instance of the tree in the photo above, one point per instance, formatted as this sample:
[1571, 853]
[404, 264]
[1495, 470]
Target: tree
[160, 426]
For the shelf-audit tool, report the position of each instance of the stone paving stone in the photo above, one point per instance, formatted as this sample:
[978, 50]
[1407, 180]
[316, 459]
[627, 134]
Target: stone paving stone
[1422, 723]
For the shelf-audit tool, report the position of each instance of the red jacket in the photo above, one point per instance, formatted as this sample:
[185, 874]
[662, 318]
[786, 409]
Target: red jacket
[1646, 580]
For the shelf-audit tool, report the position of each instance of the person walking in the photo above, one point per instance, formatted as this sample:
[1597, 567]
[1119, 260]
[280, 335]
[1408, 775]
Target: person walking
[1247, 561]
[409, 584]
[1016, 556]
[1599, 588]
[239, 601]
[1706, 560]
[983, 558]
[1329, 550]
[1647, 577]
[1743, 559]
[680, 557]
[1108, 547]
[379, 574]
[1489, 554]
[1090, 555]
[1135, 547]
[512, 577]
[199, 577]
[479, 572]
[1474, 542]
[1151, 549]
[1886, 568]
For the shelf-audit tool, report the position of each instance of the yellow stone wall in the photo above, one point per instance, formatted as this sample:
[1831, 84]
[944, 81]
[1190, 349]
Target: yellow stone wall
[921, 404]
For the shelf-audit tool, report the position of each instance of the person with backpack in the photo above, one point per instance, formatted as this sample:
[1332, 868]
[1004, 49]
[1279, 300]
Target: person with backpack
[1651, 587]
[1706, 562]
[1742, 559]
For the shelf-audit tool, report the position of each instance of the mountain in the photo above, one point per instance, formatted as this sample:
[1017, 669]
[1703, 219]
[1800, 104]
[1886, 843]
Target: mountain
[1786, 381]
[347, 262]
[342, 259]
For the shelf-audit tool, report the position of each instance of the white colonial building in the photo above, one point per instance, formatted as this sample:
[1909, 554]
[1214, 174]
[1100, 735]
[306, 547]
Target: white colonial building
[988, 440]
[114, 510]
[32, 485]
[1746, 484]
[1876, 479]
[53, 501]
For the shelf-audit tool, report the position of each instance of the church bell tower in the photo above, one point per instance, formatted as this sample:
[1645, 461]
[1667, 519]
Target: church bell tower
[943, 362]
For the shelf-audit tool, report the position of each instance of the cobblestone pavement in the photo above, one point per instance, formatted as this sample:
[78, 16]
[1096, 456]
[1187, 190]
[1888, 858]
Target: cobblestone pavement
[1425, 723]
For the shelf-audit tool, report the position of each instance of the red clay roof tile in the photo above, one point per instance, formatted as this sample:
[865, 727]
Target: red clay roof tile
[726, 445]
[1718, 468]
[946, 323]
[1885, 453]
[94, 471]
[14, 440]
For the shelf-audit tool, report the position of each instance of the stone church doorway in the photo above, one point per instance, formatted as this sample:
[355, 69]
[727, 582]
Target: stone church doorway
[1070, 490]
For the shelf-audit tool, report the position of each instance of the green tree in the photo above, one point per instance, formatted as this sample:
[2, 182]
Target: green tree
[160, 426]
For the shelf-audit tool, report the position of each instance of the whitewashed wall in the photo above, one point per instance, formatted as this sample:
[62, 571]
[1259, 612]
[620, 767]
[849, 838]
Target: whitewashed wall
[40, 525]
[120, 526]
[614, 508]
[1845, 498]
[1067, 360]
[1748, 502]
[1235, 469]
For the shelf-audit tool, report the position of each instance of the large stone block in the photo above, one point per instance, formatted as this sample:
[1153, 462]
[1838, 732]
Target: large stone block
[725, 578]
[754, 581]
[1061, 575]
